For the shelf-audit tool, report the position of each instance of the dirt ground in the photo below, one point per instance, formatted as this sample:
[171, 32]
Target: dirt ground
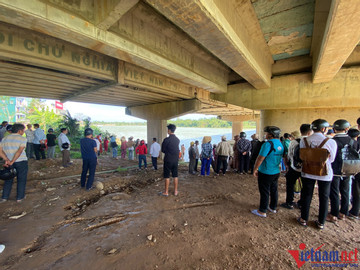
[207, 226]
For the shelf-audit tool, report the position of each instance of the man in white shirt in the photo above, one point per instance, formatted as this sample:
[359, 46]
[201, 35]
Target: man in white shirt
[155, 152]
[39, 142]
[320, 127]
[64, 145]
[30, 138]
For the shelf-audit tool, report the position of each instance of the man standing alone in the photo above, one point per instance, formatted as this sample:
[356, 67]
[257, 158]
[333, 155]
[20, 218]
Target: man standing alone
[170, 147]
[155, 152]
[64, 145]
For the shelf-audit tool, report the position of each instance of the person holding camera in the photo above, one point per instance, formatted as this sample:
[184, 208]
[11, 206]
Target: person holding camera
[12, 150]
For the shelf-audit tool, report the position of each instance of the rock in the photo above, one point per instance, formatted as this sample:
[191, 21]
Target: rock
[185, 224]
[50, 189]
[149, 237]
[99, 185]
[120, 196]
[102, 192]
[112, 251]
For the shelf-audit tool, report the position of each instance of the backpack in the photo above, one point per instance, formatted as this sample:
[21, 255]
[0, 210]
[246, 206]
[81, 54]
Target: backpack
[351, 160]
[271, 147]
[113, 144]
[314, 159]
[297, 162]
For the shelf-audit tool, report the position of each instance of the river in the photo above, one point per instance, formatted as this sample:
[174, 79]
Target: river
[185, 134]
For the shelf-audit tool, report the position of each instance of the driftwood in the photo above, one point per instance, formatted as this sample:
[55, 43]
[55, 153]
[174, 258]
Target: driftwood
[191, 205]
[105, 223]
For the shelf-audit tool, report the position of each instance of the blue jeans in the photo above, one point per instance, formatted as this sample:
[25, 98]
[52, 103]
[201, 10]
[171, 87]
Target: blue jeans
[114, 152]
[142, 157]
[21, 175]
[88, 165]
[131, 154]
[205, 166]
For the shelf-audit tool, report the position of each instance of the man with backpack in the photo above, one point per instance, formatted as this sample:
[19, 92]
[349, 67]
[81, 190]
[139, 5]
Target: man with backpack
[317, 153]
[267, 171]
[340, 183]
[293, 157]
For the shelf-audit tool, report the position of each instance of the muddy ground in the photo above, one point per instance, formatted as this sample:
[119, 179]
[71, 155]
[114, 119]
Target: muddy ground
[207, 226]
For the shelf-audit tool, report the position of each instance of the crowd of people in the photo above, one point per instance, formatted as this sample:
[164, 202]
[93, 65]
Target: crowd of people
[313, 154]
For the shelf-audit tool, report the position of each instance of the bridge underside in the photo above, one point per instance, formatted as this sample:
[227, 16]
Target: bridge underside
[162, 58]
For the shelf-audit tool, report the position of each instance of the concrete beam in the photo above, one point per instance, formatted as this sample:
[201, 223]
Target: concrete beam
[86, 91]
[39, 16]
[341, 35]
[164, 111]
[239, 118]
[297, 91]
[107, 13]
[229, 29]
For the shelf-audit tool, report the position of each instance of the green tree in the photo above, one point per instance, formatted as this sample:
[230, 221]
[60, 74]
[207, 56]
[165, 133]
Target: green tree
[45, 117]
[72, 124]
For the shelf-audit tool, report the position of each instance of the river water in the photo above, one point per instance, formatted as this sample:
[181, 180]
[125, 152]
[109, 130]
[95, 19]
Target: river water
[185, 134]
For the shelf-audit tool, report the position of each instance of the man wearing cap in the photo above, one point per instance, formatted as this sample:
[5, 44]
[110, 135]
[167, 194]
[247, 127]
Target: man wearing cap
[206, 156]
[223, 151]
[267, 171]
[320, 127]
[89, 157]
[293, 172]
[244, 148]
[170, 147]
[340, 184]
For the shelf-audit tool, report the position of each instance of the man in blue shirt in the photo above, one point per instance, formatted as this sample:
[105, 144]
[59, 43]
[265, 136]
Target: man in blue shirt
[88, 154]
[268, 171]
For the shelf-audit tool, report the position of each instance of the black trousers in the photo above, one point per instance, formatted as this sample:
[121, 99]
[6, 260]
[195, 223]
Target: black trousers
[268, 187]
[355, 191]
[306, 197]
[291, 177]
[38, 151]
[340, 185]
[221, 160]
[244, 163]
[196, 164]
[154, 162]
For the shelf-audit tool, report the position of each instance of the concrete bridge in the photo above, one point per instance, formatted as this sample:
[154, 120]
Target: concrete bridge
[281, 62]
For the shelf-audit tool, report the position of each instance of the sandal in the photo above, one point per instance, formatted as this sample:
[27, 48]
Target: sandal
[351, 216]
[162, 194]
[301, 222]
[319, 225]
[332, 219]
[341, 216]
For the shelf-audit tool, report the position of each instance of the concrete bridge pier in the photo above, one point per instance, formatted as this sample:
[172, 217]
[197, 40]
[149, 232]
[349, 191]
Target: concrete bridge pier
[158, 114]
[237, 122]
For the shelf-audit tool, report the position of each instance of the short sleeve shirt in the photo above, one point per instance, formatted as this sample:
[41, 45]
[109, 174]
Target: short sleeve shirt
[272, 160]
[11, 144]
[87, 146]
[51, 139]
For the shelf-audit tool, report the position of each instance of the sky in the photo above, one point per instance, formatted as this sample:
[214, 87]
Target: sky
[112, 113]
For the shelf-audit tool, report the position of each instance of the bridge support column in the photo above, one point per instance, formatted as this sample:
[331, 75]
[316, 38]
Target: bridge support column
[156, 129]
[237, 127]
[158, 114]
[290, 120]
